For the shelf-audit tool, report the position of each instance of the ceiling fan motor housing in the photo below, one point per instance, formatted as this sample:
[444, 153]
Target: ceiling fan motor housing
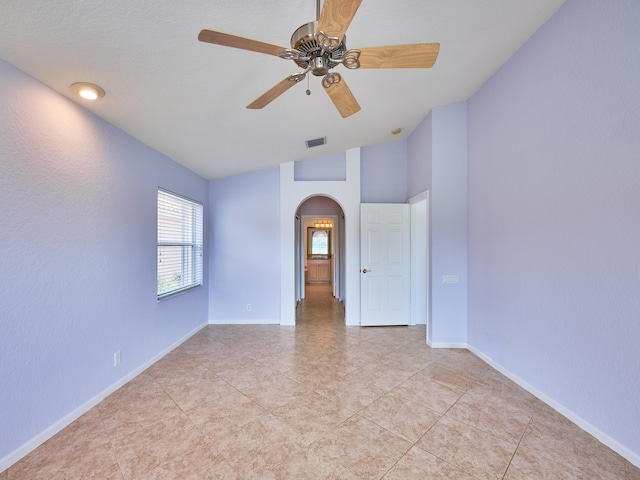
[321, 61]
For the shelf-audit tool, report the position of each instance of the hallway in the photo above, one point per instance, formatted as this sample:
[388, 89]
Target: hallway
[320, 308]
[316, 401]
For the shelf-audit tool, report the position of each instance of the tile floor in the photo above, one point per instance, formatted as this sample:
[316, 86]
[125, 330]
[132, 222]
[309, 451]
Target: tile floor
[320, 401]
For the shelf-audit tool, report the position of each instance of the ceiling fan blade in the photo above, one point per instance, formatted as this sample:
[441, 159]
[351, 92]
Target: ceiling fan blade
[343, 99]
[336, 17]
[420, 55]
[270, 95]
[227, 40]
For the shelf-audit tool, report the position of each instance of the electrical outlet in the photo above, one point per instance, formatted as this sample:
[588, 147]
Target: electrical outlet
[248, 307]
[117, 359]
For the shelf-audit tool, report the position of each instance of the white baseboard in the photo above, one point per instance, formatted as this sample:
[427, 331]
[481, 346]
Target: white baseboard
[42, 437]
[580, 422]
[246, 321]
[446, 344]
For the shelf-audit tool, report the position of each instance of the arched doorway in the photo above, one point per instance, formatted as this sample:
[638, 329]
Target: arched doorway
[347, 194]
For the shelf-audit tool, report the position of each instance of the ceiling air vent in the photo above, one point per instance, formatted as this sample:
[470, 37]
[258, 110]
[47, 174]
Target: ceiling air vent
[316, 142]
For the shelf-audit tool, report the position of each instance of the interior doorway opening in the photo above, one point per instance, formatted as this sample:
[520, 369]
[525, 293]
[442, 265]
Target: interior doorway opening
[319, 251]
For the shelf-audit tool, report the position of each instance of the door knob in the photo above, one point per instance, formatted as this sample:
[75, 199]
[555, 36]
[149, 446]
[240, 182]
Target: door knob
[364, 270]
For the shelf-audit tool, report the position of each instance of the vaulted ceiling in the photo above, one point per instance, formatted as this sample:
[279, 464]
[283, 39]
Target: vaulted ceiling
[187, 98]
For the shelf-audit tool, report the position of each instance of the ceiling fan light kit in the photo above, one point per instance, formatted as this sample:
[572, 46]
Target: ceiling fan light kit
[317, 47]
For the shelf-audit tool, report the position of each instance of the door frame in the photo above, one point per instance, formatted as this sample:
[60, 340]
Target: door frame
[301, 249]
[420, 259]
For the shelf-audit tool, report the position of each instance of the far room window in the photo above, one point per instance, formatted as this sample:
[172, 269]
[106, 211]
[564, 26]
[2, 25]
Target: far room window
[179, 244]
[320, 242]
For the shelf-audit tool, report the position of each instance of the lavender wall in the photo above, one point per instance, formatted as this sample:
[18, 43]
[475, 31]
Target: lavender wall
[245, 248]
[448, 202]
[437, 161]
[320, 206]
[554, 223]
[383, 173]
[78, 242]
[419, 157]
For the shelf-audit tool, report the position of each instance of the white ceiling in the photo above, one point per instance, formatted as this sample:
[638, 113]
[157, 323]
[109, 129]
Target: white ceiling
[187, 99]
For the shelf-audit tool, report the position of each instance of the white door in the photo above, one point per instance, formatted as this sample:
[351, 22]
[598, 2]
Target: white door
[385, 264]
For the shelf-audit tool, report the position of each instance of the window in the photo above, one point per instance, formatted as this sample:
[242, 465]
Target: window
[318, 241]
[179, 244]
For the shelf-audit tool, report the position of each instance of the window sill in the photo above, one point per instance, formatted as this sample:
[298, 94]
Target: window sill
[177, 292]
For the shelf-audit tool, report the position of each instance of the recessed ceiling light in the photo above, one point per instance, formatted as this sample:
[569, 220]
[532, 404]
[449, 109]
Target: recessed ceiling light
[88, 91]
[396, 131]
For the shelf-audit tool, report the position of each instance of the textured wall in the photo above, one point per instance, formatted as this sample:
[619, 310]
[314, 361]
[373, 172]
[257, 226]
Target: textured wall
[437, 161]
[554, 222]
[419, 157]
[383, 173]
[448, 198]
[245, 248]
[77, 243]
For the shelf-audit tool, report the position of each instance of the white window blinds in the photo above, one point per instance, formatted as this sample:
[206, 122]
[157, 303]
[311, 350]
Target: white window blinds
[179, 244]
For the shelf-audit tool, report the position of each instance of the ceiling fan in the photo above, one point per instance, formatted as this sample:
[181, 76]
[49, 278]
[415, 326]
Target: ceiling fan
[317, 47]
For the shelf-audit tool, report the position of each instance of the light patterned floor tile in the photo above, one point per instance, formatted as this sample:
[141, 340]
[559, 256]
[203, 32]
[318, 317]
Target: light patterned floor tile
[202, 463]
[433, 395]
[447, 373]
[420, 465]
[190, 389]
[474, 451]
[525, 466]
[363, 447]
[351, 392]
[81, 450]
[247, 372]
[484, 411]
[275, 391]
[150, 447]
[312, 415]
[259, 446]
[320, 401]
[402, 417]
[566, 444]
[383, 374]
[139, 403]
[226, 414]
[309, 464]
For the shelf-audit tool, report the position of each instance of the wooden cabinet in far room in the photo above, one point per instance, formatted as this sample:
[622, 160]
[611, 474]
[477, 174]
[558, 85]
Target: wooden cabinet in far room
[319, 270]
